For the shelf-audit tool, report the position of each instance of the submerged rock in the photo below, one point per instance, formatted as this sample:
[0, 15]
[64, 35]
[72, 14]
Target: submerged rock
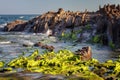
[49, 48]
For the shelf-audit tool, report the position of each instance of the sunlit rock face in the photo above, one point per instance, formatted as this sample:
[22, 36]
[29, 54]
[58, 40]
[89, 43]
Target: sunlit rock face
[106, 19]
[55, 21]
[17, 25]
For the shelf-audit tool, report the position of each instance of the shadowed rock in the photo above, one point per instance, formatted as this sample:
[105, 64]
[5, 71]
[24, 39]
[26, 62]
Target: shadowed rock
[108, 24]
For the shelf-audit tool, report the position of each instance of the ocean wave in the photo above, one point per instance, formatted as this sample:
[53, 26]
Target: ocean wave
[3, 25]
[21, 17]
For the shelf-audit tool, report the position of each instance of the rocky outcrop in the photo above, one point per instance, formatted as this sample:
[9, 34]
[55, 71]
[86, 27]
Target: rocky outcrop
[108, 24]
[106, 21]
[57, 22]
[17, 25]
[85, 53]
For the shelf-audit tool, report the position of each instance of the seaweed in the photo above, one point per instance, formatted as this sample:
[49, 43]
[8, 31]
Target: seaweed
[64, 62]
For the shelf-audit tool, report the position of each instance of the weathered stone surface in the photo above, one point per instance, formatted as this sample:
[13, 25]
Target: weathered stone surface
[55, 21]
[108, 24]
[85, 53]
[16, 25]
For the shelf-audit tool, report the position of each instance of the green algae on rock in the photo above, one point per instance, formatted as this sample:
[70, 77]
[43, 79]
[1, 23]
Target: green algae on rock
[62, 62]
[1, 64]
[66, 63]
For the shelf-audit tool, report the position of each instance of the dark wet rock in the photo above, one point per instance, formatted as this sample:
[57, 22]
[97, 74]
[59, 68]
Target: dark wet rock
[38, 44]
[85, 53]
[43, 46]
[24, 45]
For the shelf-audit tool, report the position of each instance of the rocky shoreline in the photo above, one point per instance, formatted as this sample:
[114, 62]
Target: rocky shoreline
[101, 26]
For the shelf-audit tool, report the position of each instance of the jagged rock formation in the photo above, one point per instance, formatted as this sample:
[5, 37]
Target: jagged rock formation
[55, 21]
[105, 22]
[108, 24]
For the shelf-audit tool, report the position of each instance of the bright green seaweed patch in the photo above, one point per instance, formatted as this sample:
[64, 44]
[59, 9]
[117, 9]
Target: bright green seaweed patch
[65, 62]
[1, 64]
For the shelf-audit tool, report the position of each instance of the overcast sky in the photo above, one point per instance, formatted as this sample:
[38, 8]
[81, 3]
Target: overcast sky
[42, 6]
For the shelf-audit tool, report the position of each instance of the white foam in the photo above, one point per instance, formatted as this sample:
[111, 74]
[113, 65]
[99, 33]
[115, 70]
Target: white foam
[49, 32]
[21, 17]
[3, 25]
[5, 42]
[26, 42]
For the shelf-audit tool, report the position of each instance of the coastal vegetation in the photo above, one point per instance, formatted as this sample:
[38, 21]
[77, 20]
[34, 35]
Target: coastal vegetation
[65, 63]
